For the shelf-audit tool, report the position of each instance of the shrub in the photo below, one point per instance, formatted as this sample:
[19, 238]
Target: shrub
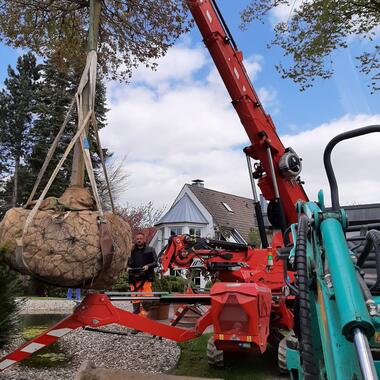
[169, 284]
[9, 287]
[122, 284]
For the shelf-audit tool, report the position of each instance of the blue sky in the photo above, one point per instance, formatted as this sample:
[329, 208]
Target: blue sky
[343, 102]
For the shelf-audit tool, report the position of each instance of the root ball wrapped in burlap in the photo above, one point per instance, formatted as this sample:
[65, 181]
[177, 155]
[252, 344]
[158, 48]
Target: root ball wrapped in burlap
[63, 248]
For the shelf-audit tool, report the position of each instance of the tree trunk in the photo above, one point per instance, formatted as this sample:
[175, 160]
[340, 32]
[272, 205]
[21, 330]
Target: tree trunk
[15, 180]
[77, 173]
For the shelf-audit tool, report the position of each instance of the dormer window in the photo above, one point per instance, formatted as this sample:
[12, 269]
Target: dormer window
[227, 207]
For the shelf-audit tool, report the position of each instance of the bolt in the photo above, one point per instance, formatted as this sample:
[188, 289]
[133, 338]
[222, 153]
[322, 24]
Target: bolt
[95, 321]
[372, 308]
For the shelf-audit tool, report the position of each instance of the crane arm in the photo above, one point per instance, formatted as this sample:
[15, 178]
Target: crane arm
[278, 180]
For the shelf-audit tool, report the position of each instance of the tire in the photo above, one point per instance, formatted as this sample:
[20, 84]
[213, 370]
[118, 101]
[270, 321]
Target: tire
[215, 357]
[281, 357]
[310, 371]
[288, 341]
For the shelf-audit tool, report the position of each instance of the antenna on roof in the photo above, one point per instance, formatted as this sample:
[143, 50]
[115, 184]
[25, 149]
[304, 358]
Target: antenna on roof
[198, 182]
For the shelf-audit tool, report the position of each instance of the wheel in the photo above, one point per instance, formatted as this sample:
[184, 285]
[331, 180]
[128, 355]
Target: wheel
[304, 323]
[290, 341]
[281, 356]
[215, 357]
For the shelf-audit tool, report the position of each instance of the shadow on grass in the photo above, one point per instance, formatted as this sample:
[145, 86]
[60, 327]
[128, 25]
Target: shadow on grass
[252, 366]
[48, 357]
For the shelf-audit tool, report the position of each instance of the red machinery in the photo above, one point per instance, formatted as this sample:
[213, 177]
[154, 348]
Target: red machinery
[249, 300]
[248, 305]
[278, 168]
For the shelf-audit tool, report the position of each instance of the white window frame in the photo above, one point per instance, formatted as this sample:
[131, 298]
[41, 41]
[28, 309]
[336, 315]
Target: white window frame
[227, 207]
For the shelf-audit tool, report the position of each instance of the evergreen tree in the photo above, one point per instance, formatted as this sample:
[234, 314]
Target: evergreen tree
[52, 103]
[53, 100]
[17, 102]
[33, 106]
[10, 286]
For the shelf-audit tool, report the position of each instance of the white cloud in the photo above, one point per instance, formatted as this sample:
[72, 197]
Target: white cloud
[177, 65]
[177, 124]
[355, 161]
[283, 12]
[190, 130]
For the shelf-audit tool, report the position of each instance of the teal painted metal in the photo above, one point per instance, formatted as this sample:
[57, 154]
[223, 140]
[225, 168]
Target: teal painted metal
[336, 300]
[293, 362]
[349, 298]
[336, 349]
[321, 199]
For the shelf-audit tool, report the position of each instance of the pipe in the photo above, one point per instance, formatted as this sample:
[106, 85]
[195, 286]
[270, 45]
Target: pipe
[305, 320]
[350, 302]
[276, 191]
[363, 286]
[366, 363]
[327, 159]
[258, 211]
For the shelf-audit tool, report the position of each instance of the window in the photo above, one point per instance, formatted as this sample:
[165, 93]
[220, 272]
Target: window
[176, 272]
[195, 232]
[237, 237]
[228, 208]
[197, 279]
[175, 231]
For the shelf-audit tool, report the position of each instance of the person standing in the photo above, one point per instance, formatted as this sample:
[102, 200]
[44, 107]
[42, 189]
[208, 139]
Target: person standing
[70, 294]
[141, 266]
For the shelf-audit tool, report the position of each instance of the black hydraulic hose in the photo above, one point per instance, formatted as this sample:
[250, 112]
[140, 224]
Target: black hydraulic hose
[327, 159]
[372, 242]
[304, 308]
[225, 26]
[364, 288]
[261, 225]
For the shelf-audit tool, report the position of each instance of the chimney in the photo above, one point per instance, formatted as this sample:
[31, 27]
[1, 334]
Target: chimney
[198, 182]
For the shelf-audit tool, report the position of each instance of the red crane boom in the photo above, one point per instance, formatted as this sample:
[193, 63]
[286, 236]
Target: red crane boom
[257, 123]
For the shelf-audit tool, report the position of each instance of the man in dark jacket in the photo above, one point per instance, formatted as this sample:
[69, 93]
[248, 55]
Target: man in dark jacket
[141, 266]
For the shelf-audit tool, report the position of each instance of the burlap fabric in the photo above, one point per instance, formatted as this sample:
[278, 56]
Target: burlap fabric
[62, 246]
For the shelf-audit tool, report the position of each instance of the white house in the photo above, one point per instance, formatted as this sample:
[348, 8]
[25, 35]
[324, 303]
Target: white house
[204, 212]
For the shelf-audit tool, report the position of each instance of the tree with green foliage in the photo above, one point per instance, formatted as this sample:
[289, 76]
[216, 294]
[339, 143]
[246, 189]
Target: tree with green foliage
[315, 29]
[53, 100]
[52, 103]
[9, 287]
[17, 106]
[29, 121]
[132, 32]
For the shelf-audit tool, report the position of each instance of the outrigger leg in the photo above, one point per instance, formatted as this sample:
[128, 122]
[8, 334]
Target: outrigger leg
[96, 310]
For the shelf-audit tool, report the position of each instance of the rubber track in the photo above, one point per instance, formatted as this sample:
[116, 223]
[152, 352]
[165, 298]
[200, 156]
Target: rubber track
[282, 356]
[306, 341]
[215, 357]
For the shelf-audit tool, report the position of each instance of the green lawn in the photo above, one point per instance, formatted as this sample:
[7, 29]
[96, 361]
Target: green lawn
[46, 298]
[193, 362]
[48, 357]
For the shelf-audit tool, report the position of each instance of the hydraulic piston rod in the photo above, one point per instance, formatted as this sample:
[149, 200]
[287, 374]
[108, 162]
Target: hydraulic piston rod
[258, 211]
[364, 356]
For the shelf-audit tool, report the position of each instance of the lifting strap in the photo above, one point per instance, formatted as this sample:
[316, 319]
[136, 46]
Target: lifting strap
[106, 243]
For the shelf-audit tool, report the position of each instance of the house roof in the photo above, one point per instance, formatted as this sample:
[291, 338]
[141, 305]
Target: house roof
[218, 204]
[183, 211]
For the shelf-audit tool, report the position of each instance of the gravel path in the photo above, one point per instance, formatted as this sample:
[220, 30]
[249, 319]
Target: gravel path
[139, 352]
[41, 306]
